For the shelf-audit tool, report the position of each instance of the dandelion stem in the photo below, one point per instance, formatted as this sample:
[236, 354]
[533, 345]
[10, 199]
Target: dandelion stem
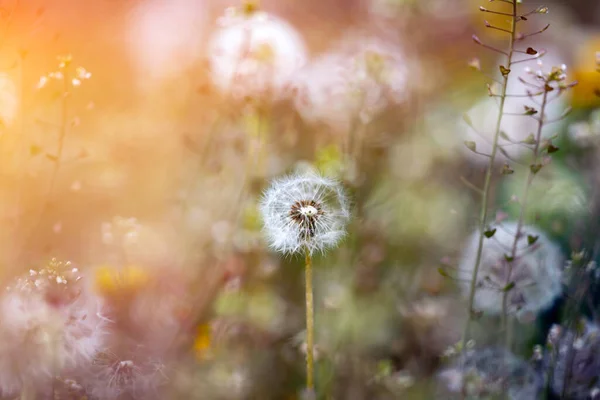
[310, 322]
[487, 183]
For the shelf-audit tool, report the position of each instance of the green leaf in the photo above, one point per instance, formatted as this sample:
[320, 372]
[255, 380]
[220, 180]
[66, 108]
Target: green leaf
[467, 119]
[535, 168]
[471, 145]
[531, 51]
[507, 170]
[529, 139]
[504, 71]
[508, 287]
[504, 136]
[530, 110]
[508, 258]
[489, 233]
[532, 239]
[443, 273]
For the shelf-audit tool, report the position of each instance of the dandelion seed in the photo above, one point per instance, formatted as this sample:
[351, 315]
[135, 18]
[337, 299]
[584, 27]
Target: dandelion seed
[304, 212]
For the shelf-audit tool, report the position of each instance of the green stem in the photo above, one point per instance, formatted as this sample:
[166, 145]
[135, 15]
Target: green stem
[518, 233]
[310, 322]
[487, 184]
[57, 162]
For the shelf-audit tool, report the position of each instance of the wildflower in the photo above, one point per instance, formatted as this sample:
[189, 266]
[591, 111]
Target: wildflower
[304, 211]
[485, 373]
[50, 323]
[130, 279]
[536, 275]
[255, 55]
[358, 80]
[202, 341]
[575, 359]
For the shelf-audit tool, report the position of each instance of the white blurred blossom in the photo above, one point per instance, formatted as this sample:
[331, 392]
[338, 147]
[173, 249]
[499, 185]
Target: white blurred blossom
[51, 323]
[485, 373]
[536, 270]
[254, 54]
[353, 83]
[587, 132]
[517, 126]
[165, 37]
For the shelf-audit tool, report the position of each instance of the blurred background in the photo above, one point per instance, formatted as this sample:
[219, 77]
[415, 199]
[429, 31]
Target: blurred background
[137, 136]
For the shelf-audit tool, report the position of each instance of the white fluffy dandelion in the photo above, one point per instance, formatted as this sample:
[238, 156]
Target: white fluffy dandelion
[254, 54]
[304, 211]
[356, 82]
[486, 373]
[113, 377]
[536, 270]
[50, 324]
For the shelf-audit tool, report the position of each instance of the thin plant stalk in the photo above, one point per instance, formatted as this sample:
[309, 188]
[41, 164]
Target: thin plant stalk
[523, 207]
[63, 128]
[310, 322]
[488, 179]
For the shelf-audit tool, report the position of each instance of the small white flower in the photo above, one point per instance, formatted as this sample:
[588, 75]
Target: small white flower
[536, 270]
[305, 211]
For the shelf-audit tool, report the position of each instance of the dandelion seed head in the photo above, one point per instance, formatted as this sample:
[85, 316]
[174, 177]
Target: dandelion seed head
[485, 373]
[360, 78]
[254, 55]
[304, 211]
[113, 376]
[50, 324]
[536, 270]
